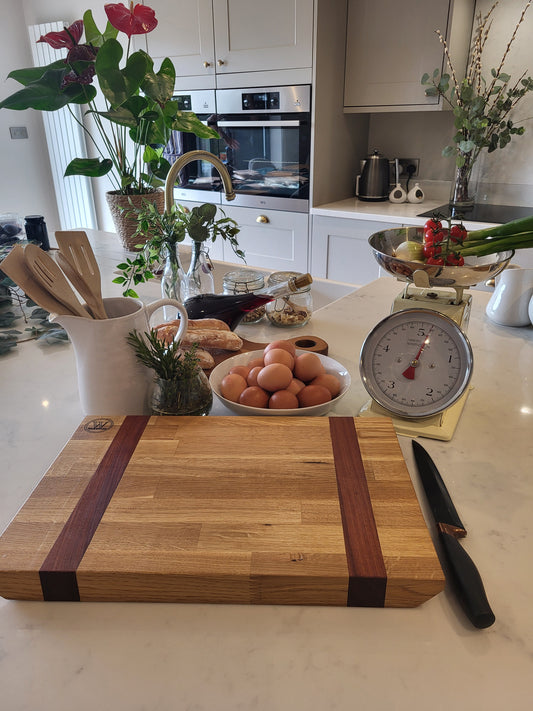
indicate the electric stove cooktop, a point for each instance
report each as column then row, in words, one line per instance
column 481, row 213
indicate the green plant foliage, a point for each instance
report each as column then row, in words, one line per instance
column 164, row 231
column 481, row 106
column 166, row 360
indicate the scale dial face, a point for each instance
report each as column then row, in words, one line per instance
column 416, row 363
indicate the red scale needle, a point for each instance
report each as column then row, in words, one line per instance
column 409, row 372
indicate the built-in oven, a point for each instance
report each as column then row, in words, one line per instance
column 265, row 143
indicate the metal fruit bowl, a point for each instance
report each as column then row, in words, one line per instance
column 474, row 270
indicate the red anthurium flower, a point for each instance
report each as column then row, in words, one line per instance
column 69, row 37
column 135, row 20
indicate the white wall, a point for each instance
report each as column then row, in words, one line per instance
column 25, row 185
column 507, row 175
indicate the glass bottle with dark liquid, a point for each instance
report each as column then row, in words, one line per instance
column 231, row 308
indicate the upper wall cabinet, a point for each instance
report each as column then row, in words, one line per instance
column 391, row 44
column 210, row 38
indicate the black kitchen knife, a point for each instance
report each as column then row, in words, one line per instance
column 465, row 575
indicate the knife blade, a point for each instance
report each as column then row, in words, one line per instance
column 463, row 572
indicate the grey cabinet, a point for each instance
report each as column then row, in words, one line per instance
column 270, row 239
column 340, row 249
column 208, row 39
column 391, row 44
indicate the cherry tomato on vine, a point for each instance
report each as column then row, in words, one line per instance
column 458, row 233
column 432, row 236
column 431, row 250
column 435, row 260
column 432, row 224
column 455, row 260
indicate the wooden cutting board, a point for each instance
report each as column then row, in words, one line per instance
column 274, row 510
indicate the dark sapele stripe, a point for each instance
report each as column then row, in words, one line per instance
column 58, row 571
column 366, row 567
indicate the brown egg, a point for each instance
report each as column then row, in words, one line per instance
column 254, row 396
column 286, row 345
column 256, row 362
column 307, row 366
column 283, row 400
column 295, row 386
column 232, row 386
column 313, row 395
column 252, row 375
column 279, row 355
column 329, row 381
column 240, row 370
column 275, row 376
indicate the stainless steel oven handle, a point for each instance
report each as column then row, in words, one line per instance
column 258, row 124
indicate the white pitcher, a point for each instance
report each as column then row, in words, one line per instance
column 508, row 305
column 111, row 379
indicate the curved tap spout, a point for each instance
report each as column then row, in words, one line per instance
column 189, row 157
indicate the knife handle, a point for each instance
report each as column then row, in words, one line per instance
column 468, row 583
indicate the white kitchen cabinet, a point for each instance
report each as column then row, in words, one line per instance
column 340, row 249
column 210, row 38
column 391, row 44
column 270, row 239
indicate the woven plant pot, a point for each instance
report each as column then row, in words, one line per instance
column 126, row 226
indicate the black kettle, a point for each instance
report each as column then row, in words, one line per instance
column 374, row 181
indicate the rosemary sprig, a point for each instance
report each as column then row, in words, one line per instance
column 166, row 360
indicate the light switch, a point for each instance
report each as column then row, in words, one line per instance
column 18, row 131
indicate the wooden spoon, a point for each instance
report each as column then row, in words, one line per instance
column 75, row 248
column 48, row 274
column 16, row 268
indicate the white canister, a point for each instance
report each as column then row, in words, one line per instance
column 509, row 304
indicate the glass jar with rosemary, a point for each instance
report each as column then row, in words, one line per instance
column 180, row 386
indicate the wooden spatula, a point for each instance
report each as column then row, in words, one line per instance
column 75, row 248
column 49, row 275
column 16, row 268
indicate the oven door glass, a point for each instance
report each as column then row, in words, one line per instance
column 266, row 155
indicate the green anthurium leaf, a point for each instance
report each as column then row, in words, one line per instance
column 46, row 94
column 160, row 86
column 189, row 121
column 119, row 85
column 92, row 33
column 152, row 154
column 31, row 74
column 122, row 116
column 91, row 167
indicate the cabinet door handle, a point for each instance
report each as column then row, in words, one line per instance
column 263, row 219
column 207, row 64
column 220, row 62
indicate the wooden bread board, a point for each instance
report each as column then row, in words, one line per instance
column 277, row 510
column 314, row 344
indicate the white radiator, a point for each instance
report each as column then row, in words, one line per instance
column 66, row 141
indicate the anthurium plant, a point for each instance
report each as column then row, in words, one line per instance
column 129, row 101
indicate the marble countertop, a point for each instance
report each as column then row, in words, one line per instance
column 157, row 657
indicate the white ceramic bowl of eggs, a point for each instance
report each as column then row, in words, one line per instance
column 280, row 381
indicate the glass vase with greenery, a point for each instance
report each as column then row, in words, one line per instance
column 180, row 386
column 481, row 105
column 163, row 233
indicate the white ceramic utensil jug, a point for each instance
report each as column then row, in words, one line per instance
column 508, row 305
column 111, row 379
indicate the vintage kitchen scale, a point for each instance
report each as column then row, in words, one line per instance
column 416, row 363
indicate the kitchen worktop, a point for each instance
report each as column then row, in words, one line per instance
column 161, row 657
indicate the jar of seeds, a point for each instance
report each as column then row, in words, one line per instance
column 291, row 310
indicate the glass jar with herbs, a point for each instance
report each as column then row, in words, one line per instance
column 293, row 309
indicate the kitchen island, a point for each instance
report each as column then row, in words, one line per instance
column 131, row 656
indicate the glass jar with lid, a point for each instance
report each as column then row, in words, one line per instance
column 242, row 281
column 291, row 310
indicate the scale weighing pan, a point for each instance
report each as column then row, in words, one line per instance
column 474, row 270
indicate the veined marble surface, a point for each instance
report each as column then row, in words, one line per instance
column 164, row 657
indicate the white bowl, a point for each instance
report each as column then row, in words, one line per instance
column 331, row 366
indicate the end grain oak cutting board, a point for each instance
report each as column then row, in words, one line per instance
column 274, row 510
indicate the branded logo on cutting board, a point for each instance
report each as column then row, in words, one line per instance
column 99, row 424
